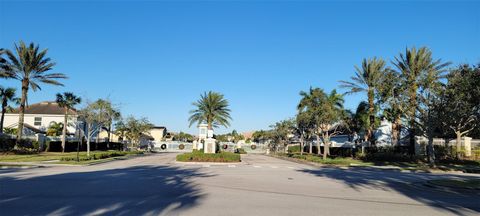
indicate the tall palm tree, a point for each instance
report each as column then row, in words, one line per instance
column 212, row 109
column 5, row 71
column 7, row 95
column 67, row 100
column 367, row 79
column 31, row 67
column 414, row 66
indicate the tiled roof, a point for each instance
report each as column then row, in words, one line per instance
column 47, row 107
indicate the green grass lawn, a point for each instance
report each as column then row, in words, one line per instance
column 458, row 183
column 196, row 156
column 65, row 158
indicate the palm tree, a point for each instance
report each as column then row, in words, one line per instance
column 67, row 100
column 6, row 95
column 212, row 109
column 367, row 79
column 5, row 71
column 413, row 66
column 55, row 129
column 31, row 67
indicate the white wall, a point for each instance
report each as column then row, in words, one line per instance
column 12, row 119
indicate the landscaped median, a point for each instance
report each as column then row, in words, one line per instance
column 198, row 156
column 65, row 158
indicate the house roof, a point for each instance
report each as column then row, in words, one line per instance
column 46, row 107
column 30, row 127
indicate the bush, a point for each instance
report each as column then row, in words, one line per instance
column 318, row 159
column 99, row 155
column 56, row 146
column 240, row 151
column 6, row 143
column 197, row 156
column 294, row 149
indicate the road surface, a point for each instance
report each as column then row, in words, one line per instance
column 260, row 185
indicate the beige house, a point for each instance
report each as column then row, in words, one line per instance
column 39, row 116
column 156, row 134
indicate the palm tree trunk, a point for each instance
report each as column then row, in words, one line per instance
column 371, row 113
column 396, row 129
column 21, row 113
column 4, row 109
column 431, row 150
column 413, row 109
column 64, row 132
column 318, row 144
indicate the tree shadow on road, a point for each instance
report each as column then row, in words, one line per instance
column 152, row 190
column 407, row 183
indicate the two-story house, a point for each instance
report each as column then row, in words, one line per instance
column 40, row 116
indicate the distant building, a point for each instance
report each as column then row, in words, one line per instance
column 39, row 116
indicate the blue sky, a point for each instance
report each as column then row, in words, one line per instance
column 155, row 58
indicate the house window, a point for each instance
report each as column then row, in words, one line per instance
column 37, row 121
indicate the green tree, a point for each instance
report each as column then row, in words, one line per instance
column 460, row 105
column 361, row 119
column 31, row 67
column 367, row 79
column 55, row 129
column 260, row 136
column 280, row 133
column 212, row 109
column 67, row 101
column 393, row 100
column 304, row 128
column 311, row 103
column 414, row 65
column 7, row 95
column 136, row 128
column 112, row 114
column 94, row 118
column 327, row 111
column 184, row 137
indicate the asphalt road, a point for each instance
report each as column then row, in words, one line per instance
column 260, row 185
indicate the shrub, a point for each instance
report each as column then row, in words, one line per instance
column 197, row 156
column 294, row 149
column 99, row 155
column 240, row 151
column 6, row 143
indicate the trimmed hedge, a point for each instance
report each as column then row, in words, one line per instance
column 56, row 146
column 198, row 156
column 100, row 155
column 240, row 151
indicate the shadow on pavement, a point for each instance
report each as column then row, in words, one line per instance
column 131, row 191
column 407, row 183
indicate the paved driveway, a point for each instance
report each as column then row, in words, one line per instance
column 260, row 185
